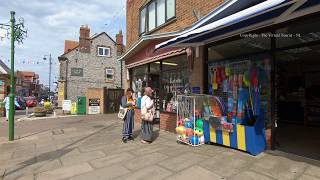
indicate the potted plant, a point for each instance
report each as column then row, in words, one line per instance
column 40, row 112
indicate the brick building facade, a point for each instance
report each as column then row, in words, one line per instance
column 90, row 64
column 169, row 71
column 187, row 13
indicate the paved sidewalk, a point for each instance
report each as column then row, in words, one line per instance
column 89, row 147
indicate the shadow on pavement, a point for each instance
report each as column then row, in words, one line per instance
column 54, row 154
column 293, row 157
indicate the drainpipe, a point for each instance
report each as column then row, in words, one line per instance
column 121, row 69
column 66, row 82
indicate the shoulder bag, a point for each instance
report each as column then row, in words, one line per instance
column 122, row 112
column 147, row 115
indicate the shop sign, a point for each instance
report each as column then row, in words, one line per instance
column 94, row 106
column 66, row 105
column 195, row 90
column 76, row 72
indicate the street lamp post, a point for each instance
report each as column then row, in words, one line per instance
column 50, row 64
column 17, row 33
column 11, row 95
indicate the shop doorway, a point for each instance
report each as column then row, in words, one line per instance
column 112, row 98
column 298, row 101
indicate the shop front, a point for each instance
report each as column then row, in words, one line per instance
column 168, row 73
column 263, row 67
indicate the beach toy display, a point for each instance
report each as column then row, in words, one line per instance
column 238, row 114
column 190, row 121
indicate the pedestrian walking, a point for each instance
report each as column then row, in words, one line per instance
column 127, row 101
column 147, row 125
column 6, row 101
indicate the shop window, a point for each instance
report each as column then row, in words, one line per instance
column 155, row 14
column 104, row 51
column 168, row 78
column 109, row 74
column 139, row 78
column 155, row 67
column 175, row 81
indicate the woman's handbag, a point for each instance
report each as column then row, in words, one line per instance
column 147, row 115
column 122, row 112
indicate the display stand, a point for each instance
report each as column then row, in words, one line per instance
column 200, row 120
column 189, row 120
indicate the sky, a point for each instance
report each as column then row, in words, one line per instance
column 50, row 22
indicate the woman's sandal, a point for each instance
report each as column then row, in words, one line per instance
column 145, row 142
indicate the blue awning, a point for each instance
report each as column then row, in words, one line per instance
column 261, row 15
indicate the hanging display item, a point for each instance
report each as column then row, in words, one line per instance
column 235, row 114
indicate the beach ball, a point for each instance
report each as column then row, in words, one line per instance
column 189, row 132
column 180, row 129
column 188, row 124
column 194, row 140
column 199, row 123
column 180, row 123
column 198, row 131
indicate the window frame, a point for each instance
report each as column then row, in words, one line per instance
column 106, row 74
column 157, row 26
column 145, row 17
column 104, row 48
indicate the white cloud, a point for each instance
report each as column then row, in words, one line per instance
column 50, row 22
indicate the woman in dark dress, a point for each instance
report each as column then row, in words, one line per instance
column 128, row 102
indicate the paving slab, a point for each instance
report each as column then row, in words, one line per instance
column 118, row 148
column 250, row 175
column 65, row 172
column 27, row 177
column 5, row 155
column 26, row 170
column 92, row 147
column 148, row 149
column 82, row 157
column 112, row 159
column 307, row 177
column 313, row 171
column 195, row 173
column 105, row 173
column 69, row 152
column 279, row 167
column 227, row 164
column 154, row 172
column 23, row 161
column 182, row 161
column 146, row 160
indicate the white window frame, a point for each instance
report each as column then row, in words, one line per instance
column 145, row 8
column 109, row 73
column 104, row 50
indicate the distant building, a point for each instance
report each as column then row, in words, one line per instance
column 27, row 83
column 4, row 80
column 89, row 63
